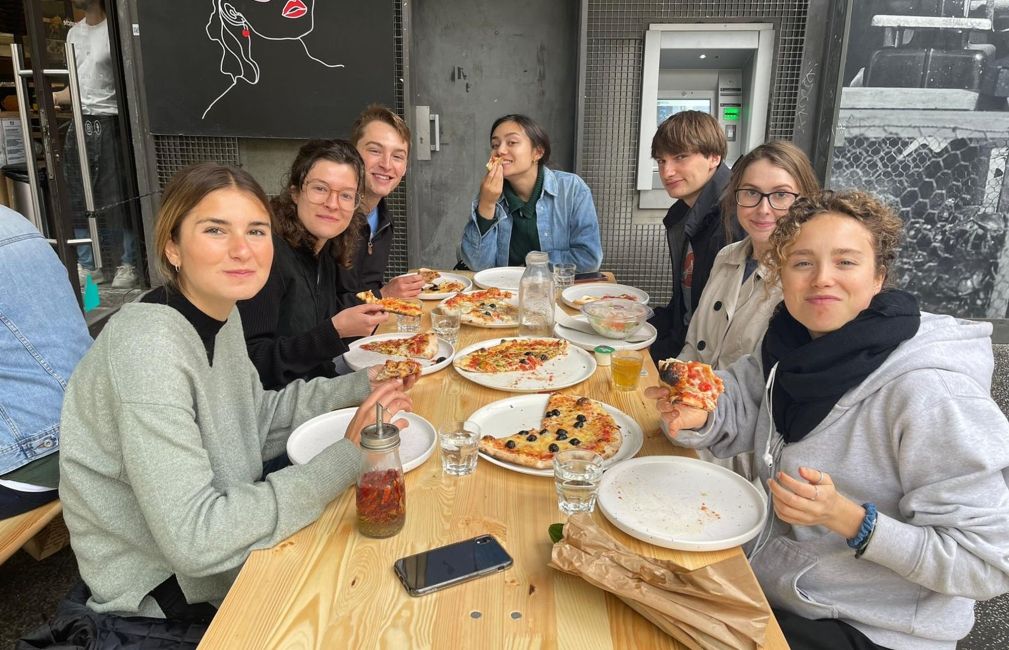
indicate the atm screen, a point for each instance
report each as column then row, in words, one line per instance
column 667, row 107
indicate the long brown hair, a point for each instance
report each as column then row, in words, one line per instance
column 285, row 209
column 781, row 154
column 187, row 188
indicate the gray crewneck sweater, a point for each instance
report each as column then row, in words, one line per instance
column 162, row 455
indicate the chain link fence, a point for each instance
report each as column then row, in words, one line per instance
column 948, row 183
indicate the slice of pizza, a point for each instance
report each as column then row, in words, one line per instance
column 691, row 383
column 428, row 275
column 570, row 422
column 391, row 305
column 398, row 370
column 423, row 345
column 495, row 158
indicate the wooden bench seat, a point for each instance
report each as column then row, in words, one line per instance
column 17, row 532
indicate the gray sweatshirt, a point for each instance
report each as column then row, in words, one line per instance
column 161, row 456
column 922, row 439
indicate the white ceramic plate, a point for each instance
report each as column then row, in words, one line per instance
column 359, row 359
column 439, row 295
column 572, row 293
column 509, row 416
column 568, row 369
column 590, row 341
column 514, row 300
column 416, row 442
column 502, row 277
column 681, row 503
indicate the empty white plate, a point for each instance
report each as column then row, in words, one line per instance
column 416, row 442
column 502, row 277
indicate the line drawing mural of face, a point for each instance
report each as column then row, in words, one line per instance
column 236, row 24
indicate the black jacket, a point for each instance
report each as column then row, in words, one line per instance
column 288, row 326
column 370, row 260
column 701, row 227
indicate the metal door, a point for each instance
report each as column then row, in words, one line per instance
column 80, row 169
column 470, row 62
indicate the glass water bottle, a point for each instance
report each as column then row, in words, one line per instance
column 381, row 489
column 536, row 297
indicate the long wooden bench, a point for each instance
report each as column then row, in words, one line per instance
column 40, row 531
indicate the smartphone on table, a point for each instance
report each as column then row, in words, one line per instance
column 592, row 276
column 427, row 572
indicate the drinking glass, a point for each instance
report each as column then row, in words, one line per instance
column 445, row 323
column 408, row 323
column 626, row 369
column 564, row 277
column 458, row 442
column 576, row 477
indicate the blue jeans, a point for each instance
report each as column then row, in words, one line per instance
column 42, row 337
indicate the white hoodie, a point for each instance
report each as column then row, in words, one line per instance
column 923, row 440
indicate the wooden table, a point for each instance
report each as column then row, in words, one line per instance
column 329, row 587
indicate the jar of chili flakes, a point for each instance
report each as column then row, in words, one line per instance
column 381, row 489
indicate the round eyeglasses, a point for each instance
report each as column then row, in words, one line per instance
column 318, row 193
column 777, row 200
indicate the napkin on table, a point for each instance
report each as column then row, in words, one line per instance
column 718, row 606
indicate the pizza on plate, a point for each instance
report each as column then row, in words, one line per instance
column 445, row 286
column 691, row 383
column 423, row 345
column 391, row 305
column 398, row 370
column 485, row 307
column 570, row 422
column 584, row 300
column 512, row 355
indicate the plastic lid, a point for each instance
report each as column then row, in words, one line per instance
column 604, row 349
column 382, row 439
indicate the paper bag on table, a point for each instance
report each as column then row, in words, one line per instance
column 717, row 606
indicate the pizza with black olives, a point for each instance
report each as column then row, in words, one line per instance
column 570, row 422
column 485, row 308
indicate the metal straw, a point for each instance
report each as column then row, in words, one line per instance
column 379, row 411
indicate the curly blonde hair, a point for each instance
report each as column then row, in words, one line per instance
column 883, row 224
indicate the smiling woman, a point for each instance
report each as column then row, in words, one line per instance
column 296, row 325
column 166, row 427
column 852, row 400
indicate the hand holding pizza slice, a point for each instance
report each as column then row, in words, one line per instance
column 691, row 383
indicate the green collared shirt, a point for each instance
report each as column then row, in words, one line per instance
column 525, row 236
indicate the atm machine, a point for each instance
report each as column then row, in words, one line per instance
column 721, row 69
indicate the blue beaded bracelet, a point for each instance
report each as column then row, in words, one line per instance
column 868, row 524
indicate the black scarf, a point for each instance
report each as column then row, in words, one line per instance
column 814, row 373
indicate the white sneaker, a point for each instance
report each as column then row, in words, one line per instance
column 82, row 276
column 126, row 277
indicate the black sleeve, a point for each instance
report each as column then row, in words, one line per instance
column 670, row 339
column 282, row 359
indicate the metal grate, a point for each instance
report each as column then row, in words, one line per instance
column 947, row 190
column 637, row 254
column 397, row 200
column 173, row 152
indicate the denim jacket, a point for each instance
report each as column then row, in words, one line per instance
column 565, row 218
column 42, row 337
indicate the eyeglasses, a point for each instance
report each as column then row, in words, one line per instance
column 318, row 193
column 777, row 200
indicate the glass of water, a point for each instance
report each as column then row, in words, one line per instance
column 564, row 277
column 576, row 476
column 408, row 323
column 445, row 322
column 458, row 442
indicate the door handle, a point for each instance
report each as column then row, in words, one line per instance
column 423, row 117
column 437, row 132
column 26, row 132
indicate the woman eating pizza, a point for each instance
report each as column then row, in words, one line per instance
column 524, row 206
column 295, row 326
column 874, row 430
column 166, row 426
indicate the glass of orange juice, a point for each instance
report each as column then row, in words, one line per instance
column 626, row 369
